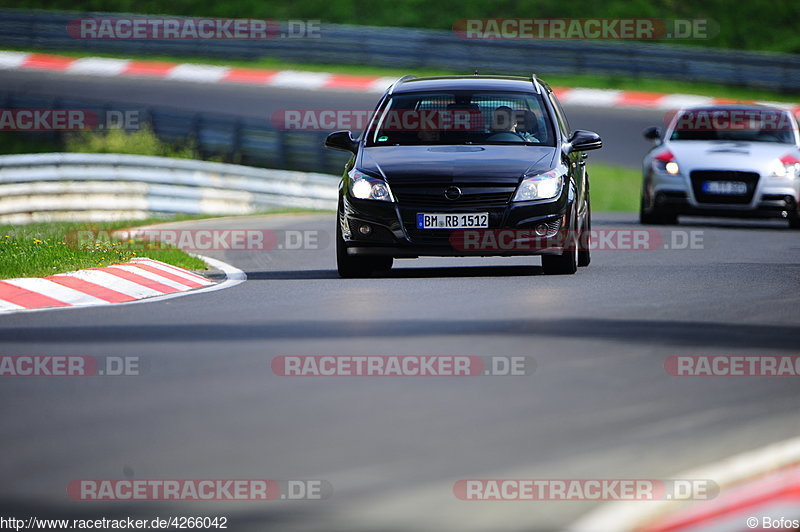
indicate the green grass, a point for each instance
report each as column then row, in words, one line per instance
column 577, row 80
column 614, row 188
column 140, row 142
column 40, row 249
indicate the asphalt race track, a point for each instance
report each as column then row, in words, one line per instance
column 598, row 405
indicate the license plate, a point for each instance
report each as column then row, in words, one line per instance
column 728, row 188
column 452, row 221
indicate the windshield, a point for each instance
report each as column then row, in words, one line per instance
column 743, row 125
column 461, row 117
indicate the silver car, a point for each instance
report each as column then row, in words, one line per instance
column 733, row 160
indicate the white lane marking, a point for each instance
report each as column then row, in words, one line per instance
column 676, row 101
column 7, row 306
column 381, row 84
column 299, row 79
column 173, row 270
column 56, row 291
column 13, row 59
column 592, row 97
column 152, row 276
column 98, row 66
column 780, row 105
column 201, row 73
column 113, row 282
column 629, row 515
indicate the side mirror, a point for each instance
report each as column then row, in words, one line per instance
column 582, row 140
column 652, row 133
column 342, row 140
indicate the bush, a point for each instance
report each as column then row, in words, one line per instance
column 140, row 142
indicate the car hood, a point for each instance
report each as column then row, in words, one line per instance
column 727, row 155
column 399, row 163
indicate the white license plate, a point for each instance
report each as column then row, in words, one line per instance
column 732, row 188
column 452, row 221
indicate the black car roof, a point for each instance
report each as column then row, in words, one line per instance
column 504, row 83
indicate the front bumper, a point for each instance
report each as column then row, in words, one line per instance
column 770, row 197
column 393, row 229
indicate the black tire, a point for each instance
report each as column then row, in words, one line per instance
column 382, row 264
column 351, row 266
column 794, row 223
column 585, row 241
column 564, row 264
column 656, row 217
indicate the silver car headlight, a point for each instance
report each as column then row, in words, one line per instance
column 363, row 186
column 542, row 186
column 665, row 162
column 786, row 166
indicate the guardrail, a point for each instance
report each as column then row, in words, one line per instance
column 414, row 48
column 231, row 139
column 77, row 186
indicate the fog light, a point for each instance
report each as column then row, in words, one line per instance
column 364, row 229
column 541, row 229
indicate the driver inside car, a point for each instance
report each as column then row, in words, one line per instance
column 505, row 124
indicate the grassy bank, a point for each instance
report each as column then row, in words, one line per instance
column 40, row 249
column 614, row 188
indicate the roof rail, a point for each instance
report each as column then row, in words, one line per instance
column 535, row 82
column 398, row 82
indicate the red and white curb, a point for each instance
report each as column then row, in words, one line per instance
column 130, row 282
column 295, row 79
column 758, row 484
column 775, row 496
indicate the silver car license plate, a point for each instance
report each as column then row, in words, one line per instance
column 725, row 188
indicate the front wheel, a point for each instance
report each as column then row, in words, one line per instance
column 564, row 264
column 656, row 217
column 585, row 239
column 354, row 267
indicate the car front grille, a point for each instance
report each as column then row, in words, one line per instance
column 472, row 194
column 698, row 177
column 426, row 194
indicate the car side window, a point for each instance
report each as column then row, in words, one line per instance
column 561, row 118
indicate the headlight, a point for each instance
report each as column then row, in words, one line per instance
column 543, row 186
column 666, row 162
column 363, row 186
column 786, row 166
